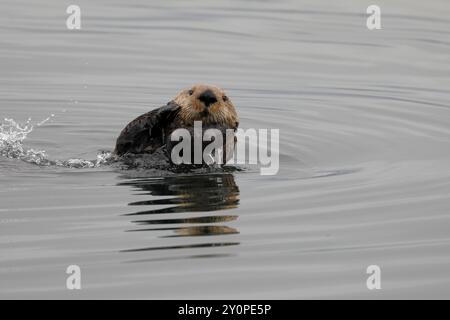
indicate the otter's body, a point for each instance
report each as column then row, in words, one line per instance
column 152, row 130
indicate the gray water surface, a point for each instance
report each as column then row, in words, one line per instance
column 364, row 119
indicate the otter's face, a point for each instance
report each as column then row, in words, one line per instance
column 208, row 104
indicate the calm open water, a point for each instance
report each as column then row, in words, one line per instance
column 364, row 119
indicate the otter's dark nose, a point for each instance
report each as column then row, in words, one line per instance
column 208, row 97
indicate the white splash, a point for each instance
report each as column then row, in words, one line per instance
column 45, row 120
column 13, row 134
column 103, row 158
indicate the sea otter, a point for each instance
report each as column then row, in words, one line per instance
column 152, row 130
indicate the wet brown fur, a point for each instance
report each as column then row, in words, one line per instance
column 149, row 131
column 222, row 112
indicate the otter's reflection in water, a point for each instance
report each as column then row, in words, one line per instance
column 189, row 197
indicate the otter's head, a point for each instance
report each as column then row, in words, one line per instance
column 208, row 104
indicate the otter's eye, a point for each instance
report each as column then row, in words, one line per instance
column 224, row 98
column 191, row 92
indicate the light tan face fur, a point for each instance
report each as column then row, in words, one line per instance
column 193, row 109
